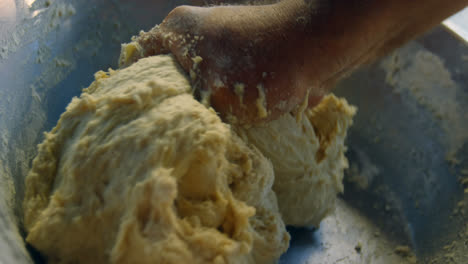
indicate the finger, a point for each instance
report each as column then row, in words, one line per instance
column 169, row 36
column 180, row 34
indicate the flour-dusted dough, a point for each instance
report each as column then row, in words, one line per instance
column 307, row 152
column 137, row 171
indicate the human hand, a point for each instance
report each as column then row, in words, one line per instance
column 237, row 58
column 255, row 63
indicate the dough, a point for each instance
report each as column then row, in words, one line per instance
column 307, row 152
column 306, row 148
column 137, row 171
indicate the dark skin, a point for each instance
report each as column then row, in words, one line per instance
column 291, row 50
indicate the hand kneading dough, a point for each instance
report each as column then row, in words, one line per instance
column 137, row 171
column 307, row 152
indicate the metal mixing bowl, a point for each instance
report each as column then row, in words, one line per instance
column 408, row 147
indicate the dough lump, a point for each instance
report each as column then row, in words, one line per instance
column 137, row 171
column 307, row 152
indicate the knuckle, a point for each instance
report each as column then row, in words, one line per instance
column 182, row 18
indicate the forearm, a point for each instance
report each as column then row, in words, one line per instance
column 314, row 43
column 358, row 31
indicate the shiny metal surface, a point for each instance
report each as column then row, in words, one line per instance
column 458, row 23
column 406, row 155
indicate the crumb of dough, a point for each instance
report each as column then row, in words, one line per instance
column 196, row 61
column 130, row 53
column 308, row 158
column 402, row 250
column 137, row 171
column 239, row 91
column 261, row 102
column 407, row 253
column 358, row 247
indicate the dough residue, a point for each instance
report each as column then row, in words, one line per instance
column 426, row 78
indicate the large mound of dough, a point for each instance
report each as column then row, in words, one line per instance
column 307, row 152
column 137, row 171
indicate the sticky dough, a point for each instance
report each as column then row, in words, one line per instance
column 137, row 171
column 307, row 151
